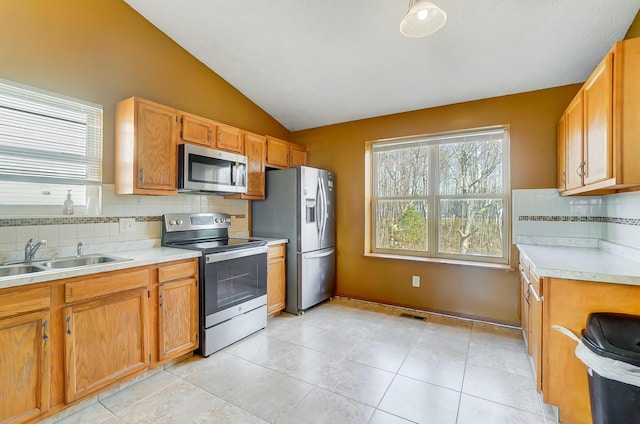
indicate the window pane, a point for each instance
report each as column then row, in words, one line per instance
column 471, row 227
column 471, row 168
column 401, row 224
column 401, row 172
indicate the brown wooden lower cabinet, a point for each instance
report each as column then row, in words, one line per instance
column 177, row 309
column 65, row 340
column 568, row 303
column 276, row 284
column 25, row 354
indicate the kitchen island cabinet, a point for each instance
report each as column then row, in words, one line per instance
column 25, row 372
column 105, row 330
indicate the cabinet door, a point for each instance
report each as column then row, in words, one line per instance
column 196, row 130
column 535, row 326
column 574, row 122
column 525, row 311
column 230, row 139
column 561, row 182
column 177, row 318
column 598, row 114
column 255, row 149
column 156, row 147
column 277, row 153
column 298, row 155
column 276, row 279
column 24, row 366
column 97, row 350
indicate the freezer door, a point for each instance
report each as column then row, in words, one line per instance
column 316, row 277
column 316, row 205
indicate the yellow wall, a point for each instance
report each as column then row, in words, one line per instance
column 103, row 51
column 460, row 289
column 634, row 29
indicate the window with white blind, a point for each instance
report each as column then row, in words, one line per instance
column 440, row 196
column 49, row 144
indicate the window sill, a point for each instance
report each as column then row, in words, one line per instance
column 503, row 267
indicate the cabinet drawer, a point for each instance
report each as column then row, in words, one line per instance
column 276, row 251
column 25, row 299
column 177, row 271
column 108, row 284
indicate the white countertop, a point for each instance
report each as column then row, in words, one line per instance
column 138, row 257
column 582, row 263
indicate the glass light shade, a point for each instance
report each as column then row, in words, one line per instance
column 415, row 24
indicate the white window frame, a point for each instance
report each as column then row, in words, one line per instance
column 49, row 144
column 433, row 198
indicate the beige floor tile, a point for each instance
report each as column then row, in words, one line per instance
column 293, row 332
column 174, row 403
column 497, row 336
column 332, row 343
column 442, row 346
column 381, row 417
column 323, row 407
column 95, row 413
column 139, row 391
column 434, row 367
column 358, row 382
column 479, row 411
column 386, row 356
column 420, row 402
column 502, row 387
column 220, row 411
column 269, row 394
column 447, row 327
column 500, row 359
column 219, row 374
column 261, row 350
column 305, row 364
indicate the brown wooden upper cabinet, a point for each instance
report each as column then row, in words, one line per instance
column 282, row 154
column 255, row 148
column 229, row 139
column 146, row 148
column 197, row 130
column 599, row 132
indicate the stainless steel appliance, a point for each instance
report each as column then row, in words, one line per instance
column 232, row 277
column 300, row 206
column 210, row 170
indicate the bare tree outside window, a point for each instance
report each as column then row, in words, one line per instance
column 452, row 186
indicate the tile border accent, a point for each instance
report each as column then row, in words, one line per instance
column 559, row 218
column 22, row 222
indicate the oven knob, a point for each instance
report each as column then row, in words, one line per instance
column 179, row 221
column 228, row 220
column 172, row 222
column 217, row 220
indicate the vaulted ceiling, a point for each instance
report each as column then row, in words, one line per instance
column 313, row 63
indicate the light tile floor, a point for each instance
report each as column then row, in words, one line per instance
column 342, row 362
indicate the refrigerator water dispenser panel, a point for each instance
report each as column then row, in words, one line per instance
column 310, row 208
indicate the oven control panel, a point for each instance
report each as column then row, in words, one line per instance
column 196, row 221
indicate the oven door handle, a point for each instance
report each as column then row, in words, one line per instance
column 239, row 253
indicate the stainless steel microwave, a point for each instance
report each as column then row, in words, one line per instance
column 209, row 170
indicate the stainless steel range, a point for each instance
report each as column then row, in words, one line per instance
column 233, row 277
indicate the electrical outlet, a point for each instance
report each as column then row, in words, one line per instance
column 127, row 225
column 415, row 281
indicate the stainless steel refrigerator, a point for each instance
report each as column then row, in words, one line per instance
column 299, row 206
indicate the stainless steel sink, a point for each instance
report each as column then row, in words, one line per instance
column 81, row 261
column 12, row 270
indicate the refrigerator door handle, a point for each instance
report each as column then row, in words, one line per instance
column 324, row 209
column 320, row 255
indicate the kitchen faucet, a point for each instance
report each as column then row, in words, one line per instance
column 30, row 249
column 80, row 248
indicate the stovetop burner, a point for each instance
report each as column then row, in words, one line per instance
column 202, row 231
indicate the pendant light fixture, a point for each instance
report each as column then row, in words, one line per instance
column 423, row 18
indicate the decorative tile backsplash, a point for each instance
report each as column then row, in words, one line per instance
column 64, row 232
column 613, row 218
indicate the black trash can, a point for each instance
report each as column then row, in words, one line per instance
column 615, row 336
